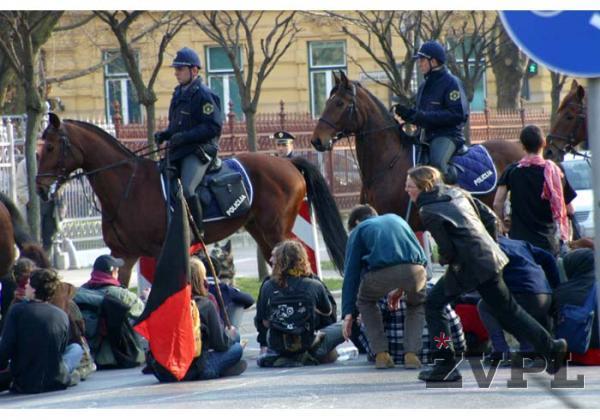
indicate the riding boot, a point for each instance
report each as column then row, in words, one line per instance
column 196, row 211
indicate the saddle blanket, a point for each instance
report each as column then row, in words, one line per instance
column 211, row 208
column 476, row 170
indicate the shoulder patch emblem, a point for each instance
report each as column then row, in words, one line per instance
column 208, row 109
column 454, row 95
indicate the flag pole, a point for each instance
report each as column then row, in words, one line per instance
column 210, row 264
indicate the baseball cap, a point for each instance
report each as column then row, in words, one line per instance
column 106, row 263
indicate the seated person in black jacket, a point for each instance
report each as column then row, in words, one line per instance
column 292, row 306
column 221, row 353
column 35, row 340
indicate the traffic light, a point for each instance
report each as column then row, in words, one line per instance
column 532, row 68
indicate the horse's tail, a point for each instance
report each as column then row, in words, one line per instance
column 328, row 215
column 22, row 233
column 27, row 245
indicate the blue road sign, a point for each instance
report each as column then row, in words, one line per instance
column 567, row 42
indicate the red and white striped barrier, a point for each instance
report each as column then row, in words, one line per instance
column 305, row 230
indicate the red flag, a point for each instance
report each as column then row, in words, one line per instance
column 167, row 320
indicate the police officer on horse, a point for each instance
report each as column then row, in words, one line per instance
column 195, row 124
column 441, row 111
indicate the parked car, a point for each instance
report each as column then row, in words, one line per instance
column 578, row 170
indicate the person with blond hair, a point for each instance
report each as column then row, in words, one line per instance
column 221, row 352
column 292, row 306
column 465, row 230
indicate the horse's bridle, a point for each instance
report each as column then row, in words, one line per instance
column 570, row 140
column 61, row 174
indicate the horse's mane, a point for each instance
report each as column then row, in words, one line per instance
column 382, row 108
column 103, row 134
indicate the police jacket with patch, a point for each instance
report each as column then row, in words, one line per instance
column 465, row 230
column 442, row 108
column 195, row 111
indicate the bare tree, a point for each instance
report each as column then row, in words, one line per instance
column 121, row 23
column 26, row 32
column 235, row 32
column 375, row 32
column 558, row 82
column 509, row 65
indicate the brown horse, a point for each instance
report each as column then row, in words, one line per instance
column 570, row 125
column 383, row 151
column 14, row 231
column 133, row 208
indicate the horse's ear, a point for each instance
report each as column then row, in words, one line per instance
column 336, row 79
column 580, row 93
column 54, row 120
column 574, row 85
column 344, row 78
column 227, row 246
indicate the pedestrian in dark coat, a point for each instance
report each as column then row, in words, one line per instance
column 464, row 230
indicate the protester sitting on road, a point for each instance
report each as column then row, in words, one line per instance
column 539, row 196
column 530, row 275
column 394, row 325
column 292, row 306
column 235, row 300
column 103, row 301
column 383, row 255
column 35, row 340
column 465, row 230
column 220, row 349
column 12, row 287
column 579, row 284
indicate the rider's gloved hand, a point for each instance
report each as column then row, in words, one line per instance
column 404, row 112
column 161, row 136
column 176, row 139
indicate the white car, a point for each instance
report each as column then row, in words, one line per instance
column 578, row 170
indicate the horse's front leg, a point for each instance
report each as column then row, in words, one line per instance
column 125, row 271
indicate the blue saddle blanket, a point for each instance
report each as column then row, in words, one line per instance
column 476, row 171
column 225, row 179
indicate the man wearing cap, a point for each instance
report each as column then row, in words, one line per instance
column 285, row 144
column 441, row 111
column 195, row 123
column 104, row 281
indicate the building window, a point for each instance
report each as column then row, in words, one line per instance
column 325, row 57
column 221, row 79
column 479, row 95
column 118, row 87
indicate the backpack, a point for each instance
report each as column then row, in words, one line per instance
column 575, row 323
column 292, row 322
column 124, row 342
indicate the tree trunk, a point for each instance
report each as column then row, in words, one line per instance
column 251, row 130
column 151, row 126
column 34, row 117
column 263, row 268
column 509, row 69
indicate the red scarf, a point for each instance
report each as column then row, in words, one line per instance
column 552, row 191
column 101, row 279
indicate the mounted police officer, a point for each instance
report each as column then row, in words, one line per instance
column 195, row 123
column 441, row 111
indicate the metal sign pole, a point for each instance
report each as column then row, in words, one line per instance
column 593, row 120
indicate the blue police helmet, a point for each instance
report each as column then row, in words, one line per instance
column 432, row 49
column 186, row 57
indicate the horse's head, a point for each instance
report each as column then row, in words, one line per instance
column 569, row 128
column 57, row 160
column 340, row 117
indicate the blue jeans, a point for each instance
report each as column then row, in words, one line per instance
column 72, row 356
column 217, row 362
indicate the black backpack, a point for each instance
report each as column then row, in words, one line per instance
column 124, row 341
column 292, row 322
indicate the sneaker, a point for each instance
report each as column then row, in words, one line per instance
column 439, row 374
column 383, row 360
column 236, row 369
column 75, row 378
column 411, row 361
column 558, row 356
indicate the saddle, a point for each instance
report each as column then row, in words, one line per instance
column 225, row 191
column 474, row 166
